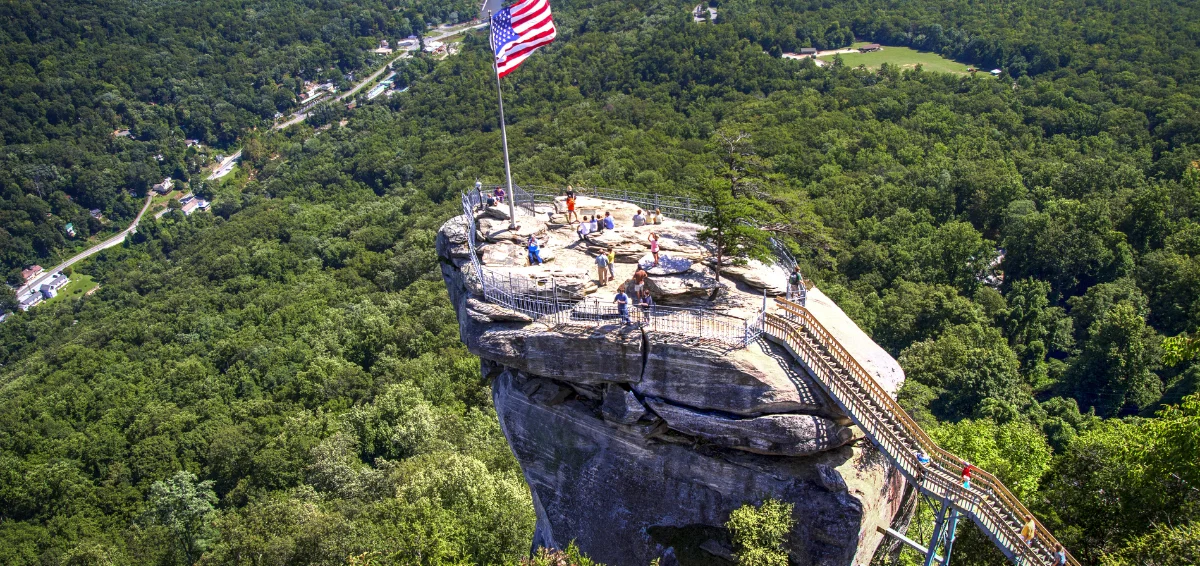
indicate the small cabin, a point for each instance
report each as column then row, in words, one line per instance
column 870, row 47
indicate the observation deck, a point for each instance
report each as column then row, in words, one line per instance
column 564, row 295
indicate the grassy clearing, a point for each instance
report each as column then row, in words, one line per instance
column 80, row 284
column 905, row 57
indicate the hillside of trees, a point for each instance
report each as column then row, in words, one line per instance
column 282, row 382
column 209, row 70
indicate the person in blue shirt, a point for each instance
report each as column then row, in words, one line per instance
column 622, row 301
column 608, row 221
column 1060, row 555
column 534, row 251
column 646, row 303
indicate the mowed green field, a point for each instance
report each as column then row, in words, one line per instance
column 80, row 283
column 905, row 57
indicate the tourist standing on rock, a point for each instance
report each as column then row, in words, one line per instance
column 608, row 221
column 622, row 301
column 602, row 267
column 639, row 282
column 571, row 207
column 794, row 284
column 534, row 251
column 654, row 247
column 638, row 219
column 584, row 229
column 612, row 259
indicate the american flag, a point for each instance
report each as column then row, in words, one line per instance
column 518, row 30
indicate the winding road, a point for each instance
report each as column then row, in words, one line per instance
column 110, row 242
column 439, row 36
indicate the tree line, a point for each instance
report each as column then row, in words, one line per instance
column 1021, row 248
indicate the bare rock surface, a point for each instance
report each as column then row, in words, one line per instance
column 624, row 428
column 607, row 488
column 771, row 278
column 871, row 356
column 621, row 405
column 697, row 282
column 780, row 435
column 667, row 265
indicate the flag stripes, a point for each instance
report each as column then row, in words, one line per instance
column 517, row 31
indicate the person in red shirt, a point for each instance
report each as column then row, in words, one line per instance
column 571, row 209
column 967, row 470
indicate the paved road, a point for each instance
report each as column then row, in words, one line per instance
column 113, row 241
column 437, row 36
column 226, row 166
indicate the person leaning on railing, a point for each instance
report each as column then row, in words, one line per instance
column 622, row 301
column 646, row 302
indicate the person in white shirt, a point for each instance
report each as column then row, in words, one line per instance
column 585, row 228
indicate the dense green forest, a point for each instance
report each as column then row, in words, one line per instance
column 282, row 382
column 75, row 72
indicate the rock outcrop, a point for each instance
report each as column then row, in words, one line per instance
column 634, row 442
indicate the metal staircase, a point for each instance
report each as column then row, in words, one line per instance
column 993, row 508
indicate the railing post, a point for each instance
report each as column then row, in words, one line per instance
column 554, row 289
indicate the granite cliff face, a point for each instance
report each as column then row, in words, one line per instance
column 633, row 442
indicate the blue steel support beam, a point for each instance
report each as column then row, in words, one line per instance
column 951, row 533
column 938, row 524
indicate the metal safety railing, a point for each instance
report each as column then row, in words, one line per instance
column 997, row 512
column 675, row 206
column 543, row 300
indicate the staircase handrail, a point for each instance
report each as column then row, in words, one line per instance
column 889, row 441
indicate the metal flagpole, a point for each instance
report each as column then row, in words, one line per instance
column 512, row 209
